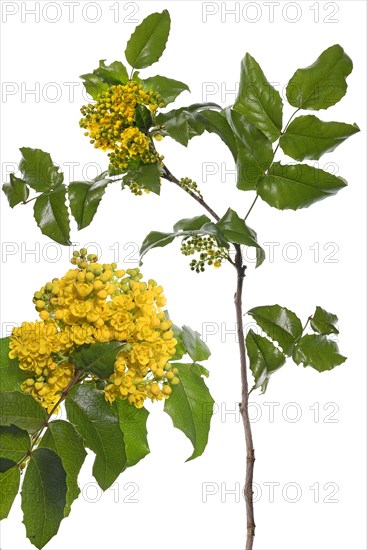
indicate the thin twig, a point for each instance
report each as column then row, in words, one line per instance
column 29, row 200
column 198, row 198
column 250, row 452
column 170, row 177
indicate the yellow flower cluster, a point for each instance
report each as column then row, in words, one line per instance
column 110, row 123
column 98, row 303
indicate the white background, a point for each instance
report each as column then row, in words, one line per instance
column 326, row 445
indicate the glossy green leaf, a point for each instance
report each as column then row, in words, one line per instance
column 180, row 346
column 6, row 464
column 14, row 443
column 191, row 407
column 39, row 172
column 133, row 424
column 213, row 229
column 148, row 41
column 62, row 438
column 22, row 411
column 113, row 74
column 235, row 230
column 295, row 186
column 156, row 239
column 9, row 487
column 188, row 224
column 94, row 85
column 324, row 322
column 308, row 137
column 255, row 152
column 143, row 118
column 43, row 496
column 216, row 123
column 258, row 100
column 16, row 191
column 264, row 357
column 195, row 347
column 97, row 423
column 52, row 216
column 281, row 324
column 84, row 197
column 316, row 351
column 323, row 83
column 147, row 175
column 98, row 359
column 168, row 88
column 184, row 123
column 200, row 370
column 175, row 125
column 11, row 376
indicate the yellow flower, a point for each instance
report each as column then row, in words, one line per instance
column 110, row 124
column 77, row 310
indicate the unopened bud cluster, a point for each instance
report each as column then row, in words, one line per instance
column 190, row 186
column 209, row 252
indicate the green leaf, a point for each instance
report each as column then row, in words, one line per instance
column 264, row 357
column 200, row 370
column 52, row 216
column 294, row 186
column 235, row 230
column 255, row 153
column 62, row 438
column 175, row 125
column 281, row 324
column 324, row 322
column 258, row 100
column 22, row 411
column 39, row 172
column 308, row 137
column 216, row 123
column 323, row 83
column 195, row 347
column 84, row 199
column 16, row 191
column 103, row 77
column 11, row 376
column 191, row 407
column 147, row 175
column 94, row 85
column 113, row 74
column 188, row 224
column 14, row 443
column 9, row 486
column 6, row 464
column 184, row 123
column 180, row 347
column 133, row 424
column 43, row 496
column 148, row 41
column 143, row 118
column 168, row 88
column 98, row 425
column 316, row 351
column 98, row 359
column 156, row 239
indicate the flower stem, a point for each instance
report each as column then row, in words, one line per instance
column 250, row 453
